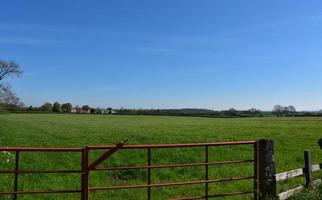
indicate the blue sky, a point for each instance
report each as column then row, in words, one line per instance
column 166, row 53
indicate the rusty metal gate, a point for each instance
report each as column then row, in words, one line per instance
column 88, row 167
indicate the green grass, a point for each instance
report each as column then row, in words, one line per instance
column 313, row 194
column 291, row 136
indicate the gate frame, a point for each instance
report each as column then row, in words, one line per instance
column 87, row 167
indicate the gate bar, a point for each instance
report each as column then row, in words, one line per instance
column 138, row 146
column 170, row 184
column 173, row 165
column 39, row 192
column 106, row 155
column 216, row 195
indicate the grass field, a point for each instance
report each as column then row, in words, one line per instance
column 291, row 136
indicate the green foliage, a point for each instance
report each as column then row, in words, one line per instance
column 47, row 107
column 86, row 108
column 56, row 107
column 66, row 107
column 93, row 110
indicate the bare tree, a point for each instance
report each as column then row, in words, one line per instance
column 8, row 69
column 278, row 110
column 291, row 110
column 254, row 111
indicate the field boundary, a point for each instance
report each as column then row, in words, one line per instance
column 264, row 175
column 307, row 171
column 90, row 167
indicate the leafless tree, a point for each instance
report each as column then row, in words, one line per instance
column 291, row 110
column 278, row 110
column 8, row 69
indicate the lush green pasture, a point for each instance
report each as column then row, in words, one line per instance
column 291, row 135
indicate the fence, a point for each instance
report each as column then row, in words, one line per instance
column 307, row 171
column 264, row 176
column 268, row 178
column 88, row 167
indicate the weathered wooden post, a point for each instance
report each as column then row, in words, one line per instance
column 267, row 181
column 308, row 169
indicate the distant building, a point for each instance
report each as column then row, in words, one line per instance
column 107, row 111
column 79, row 110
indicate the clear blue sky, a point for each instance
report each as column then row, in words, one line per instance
column 166, row 53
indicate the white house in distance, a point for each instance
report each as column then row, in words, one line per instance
column 107, row 111
column 79, row 110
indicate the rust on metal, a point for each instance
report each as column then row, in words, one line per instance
column 256, row 172
column 15, row 187
column 86, row 168
column 206, row 171
column 38, row 149
column 159, row 146
column 85, row 174
column 216, row 195
column 39, row 171
column 174, row 165
column 170, row 184
column 39, row 192
column 149, row 173
column 106, row 155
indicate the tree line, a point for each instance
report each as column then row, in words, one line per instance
column 67, row 108
column 9, row 101
column 55, row 107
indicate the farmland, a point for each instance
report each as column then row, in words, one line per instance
column 292, row 135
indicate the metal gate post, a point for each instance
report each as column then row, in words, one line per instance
column 16, row 174
column 85, row 173
column 149, row 173
column 206, row 171
column 256, row 171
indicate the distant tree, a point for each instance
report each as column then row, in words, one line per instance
column 254, row 111
column 56, row 107
column 66, row 107
column 278, row 110
column 47, row 107
column 98, row 110
column 109, row 109
column 92, row 110
column 78, row 109
column 86, row 108
column 320, row 112
column 291, row 110
column 7, row 95
column 232, row 112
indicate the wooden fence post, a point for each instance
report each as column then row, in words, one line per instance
column 308, row 169
column 267, row 181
